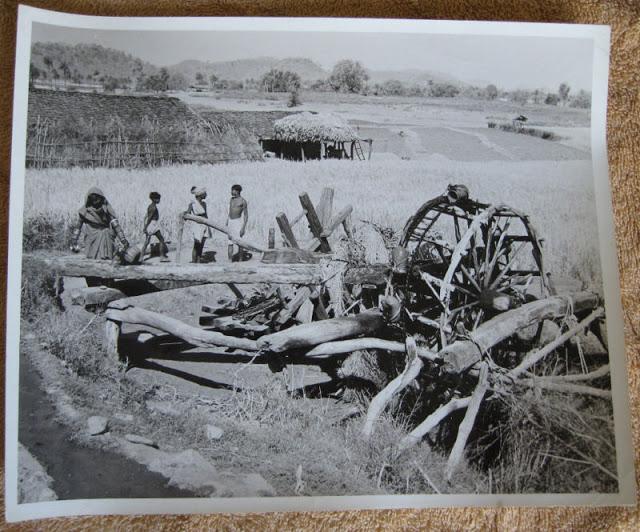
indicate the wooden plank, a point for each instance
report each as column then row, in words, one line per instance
column 223, row 229
column 325, row 206
column 237, row 272
column 314, row 221
column 339, row 219
column 285, row 229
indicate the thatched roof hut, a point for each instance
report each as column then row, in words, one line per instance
column 309, row 127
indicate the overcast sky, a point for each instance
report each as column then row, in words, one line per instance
column 509, row 62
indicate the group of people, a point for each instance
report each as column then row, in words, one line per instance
column 104, row 237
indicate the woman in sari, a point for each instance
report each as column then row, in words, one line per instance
column 101, row 227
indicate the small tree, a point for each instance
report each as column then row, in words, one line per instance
column 581, row 100
column 294, row 99
column 280, row 81
column 213, row 80
column 563, row 92
column 551, row 99
column 491, row 92
column 200, row 79
column 443, row 90
column 348, row 76
column 177, row 82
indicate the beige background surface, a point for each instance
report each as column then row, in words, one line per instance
column 624, row 159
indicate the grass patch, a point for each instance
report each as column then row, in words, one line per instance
column 532, row 131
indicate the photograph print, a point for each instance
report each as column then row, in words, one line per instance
column 286, row 260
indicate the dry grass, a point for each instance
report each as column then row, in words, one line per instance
column 554, row 194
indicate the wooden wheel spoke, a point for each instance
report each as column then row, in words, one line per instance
column 470, row 278
column 508, row 266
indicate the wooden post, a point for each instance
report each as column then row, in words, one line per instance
column 314, row 222
column 236, row 291
column 179, row 238
column 339, row 219
column 287, row 232
column 370, row 141
column 112, row 333
column 271, row 242
column 325, row 206
column 352, row 150
column 304, row 159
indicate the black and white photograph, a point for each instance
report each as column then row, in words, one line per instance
column 292, row 264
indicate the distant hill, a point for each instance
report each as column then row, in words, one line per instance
column 87, row 62
column 413, row 76
column 93, row 63
column 242, row 69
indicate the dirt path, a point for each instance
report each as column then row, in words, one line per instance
column 486, row 142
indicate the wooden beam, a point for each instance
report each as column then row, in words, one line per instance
column 301, row 296
column 314, row 221
column 285, row 229
column 237, row 272
column 223, row 229
column 124, row 313
column 463, row 354
column 318, row 332
column 298, row 218
column 339, row 218
column 325, row 206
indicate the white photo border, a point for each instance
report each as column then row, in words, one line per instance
column 600, row 35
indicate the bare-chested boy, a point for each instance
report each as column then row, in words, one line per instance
column 237, row 219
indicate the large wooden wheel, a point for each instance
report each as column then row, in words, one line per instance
column 467, row 262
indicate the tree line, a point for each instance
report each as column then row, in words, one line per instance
column 347, row 76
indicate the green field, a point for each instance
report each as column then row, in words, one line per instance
column 558, row 196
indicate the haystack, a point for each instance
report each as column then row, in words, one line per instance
column 308, row 127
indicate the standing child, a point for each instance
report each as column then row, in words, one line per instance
column 152, row 227
column 200, row 232
column 237, row 219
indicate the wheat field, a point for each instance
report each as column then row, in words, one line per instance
column 558, row 196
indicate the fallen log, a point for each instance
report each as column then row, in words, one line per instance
column 381, row 400
column 463, row 354
column 311, row 334
column 223, row 229
column 125, row 313
column 237, row 272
